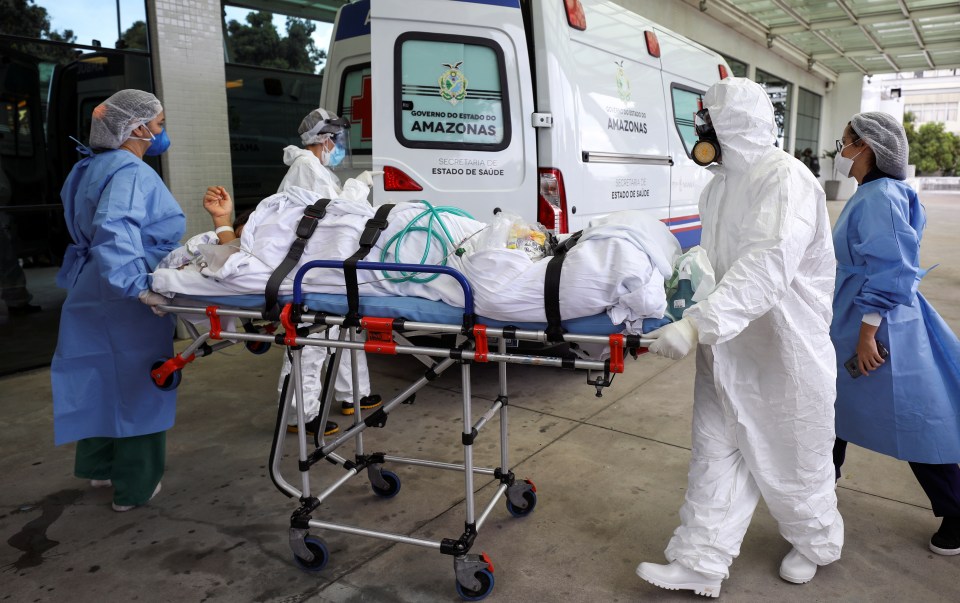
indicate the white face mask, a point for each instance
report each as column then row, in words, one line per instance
column 845, row 164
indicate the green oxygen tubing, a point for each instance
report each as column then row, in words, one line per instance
column 442, row 236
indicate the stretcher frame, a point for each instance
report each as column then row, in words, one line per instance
column 385, row 335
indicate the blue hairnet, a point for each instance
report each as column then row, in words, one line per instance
column 885, row 136
column 115, row 118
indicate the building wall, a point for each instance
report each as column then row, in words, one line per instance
column 187, row 42
column 701, row 27
column 847, row 96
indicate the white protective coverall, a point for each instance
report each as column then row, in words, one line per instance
column 763, row 421
column 307, row 172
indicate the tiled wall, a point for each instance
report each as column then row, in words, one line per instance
column 188, row 59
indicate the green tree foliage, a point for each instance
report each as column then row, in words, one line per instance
column 932, row 149
column 135, row 36
column 257, row 42
column 24, row 18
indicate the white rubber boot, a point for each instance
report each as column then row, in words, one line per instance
column 796, row 568
column 674, row 576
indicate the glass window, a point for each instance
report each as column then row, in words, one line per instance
column 264, row 110
column 780, row 95
column 737, row 67
column 93, row 23
column 47, row 93
column 808, row 122
column 451, row 92
column 274, row 41
column 935, row 112
column 355, row 104
column 273, row 66
column 686, row 102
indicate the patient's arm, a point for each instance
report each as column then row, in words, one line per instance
column 218, row 203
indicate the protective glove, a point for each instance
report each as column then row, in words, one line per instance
column 366, row 177
column 675, row 340
column 153, row 300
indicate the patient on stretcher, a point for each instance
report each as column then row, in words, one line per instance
column 618, row 266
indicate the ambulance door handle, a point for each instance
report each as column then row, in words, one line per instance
column 542, row 120
column 598, row 157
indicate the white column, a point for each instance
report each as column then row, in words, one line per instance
column 187, row 49
column 840, row 104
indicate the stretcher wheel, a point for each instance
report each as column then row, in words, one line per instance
column 258, row 347
column 531, row 498
column 320, row 555
column 393, row 485
column 486, row 587
column 172, row 381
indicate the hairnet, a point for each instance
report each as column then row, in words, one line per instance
column 318, row 126
column 884, row 134
column 115, row 118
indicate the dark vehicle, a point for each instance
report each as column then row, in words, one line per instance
column 265, row 107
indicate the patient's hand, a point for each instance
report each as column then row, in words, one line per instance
column 218, row 203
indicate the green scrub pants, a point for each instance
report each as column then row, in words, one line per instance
column 134, row 465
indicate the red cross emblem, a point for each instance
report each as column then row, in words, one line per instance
column 361, row 108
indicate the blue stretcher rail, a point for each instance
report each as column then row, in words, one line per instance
column 422, row 268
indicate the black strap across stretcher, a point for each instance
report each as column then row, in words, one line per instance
column 368, row 238
column 551, row 288
column 305, row 229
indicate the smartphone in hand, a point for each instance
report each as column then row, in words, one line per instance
column 853, row 365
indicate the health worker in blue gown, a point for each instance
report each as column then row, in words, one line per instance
column 123, row 221
column 906, row 405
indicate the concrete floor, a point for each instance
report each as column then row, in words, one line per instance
column 610, row 475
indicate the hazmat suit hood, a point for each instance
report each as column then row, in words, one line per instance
column 742, row 116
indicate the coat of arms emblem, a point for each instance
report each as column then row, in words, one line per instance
column 623, row 84
column 453, row 84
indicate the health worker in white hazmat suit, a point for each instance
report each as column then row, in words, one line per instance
column 766, row 372
column 325, row 140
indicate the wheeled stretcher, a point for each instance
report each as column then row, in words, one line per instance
column 387, row 323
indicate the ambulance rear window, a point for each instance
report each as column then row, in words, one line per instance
column 451, row 93
column 355, row 105
column 684, row 106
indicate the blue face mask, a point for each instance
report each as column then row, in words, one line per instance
column 158, row 143
column 335, row 157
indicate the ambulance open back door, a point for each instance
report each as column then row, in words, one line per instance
column 451, row 114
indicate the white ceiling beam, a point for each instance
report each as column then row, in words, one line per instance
column 803, row 22
column 748, row 25
column 892, row 50
column 950, row 10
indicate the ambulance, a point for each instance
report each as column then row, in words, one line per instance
column 556, row 110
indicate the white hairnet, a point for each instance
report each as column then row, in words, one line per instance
column 316, row 127
column 115, row 118
column 885, row 136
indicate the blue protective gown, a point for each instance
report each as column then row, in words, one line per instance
column 123, row 221
column 909, row 408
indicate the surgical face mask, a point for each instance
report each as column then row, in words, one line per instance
column 333, row 157
column 845, row 164
column 707, row 148
column 159, row 143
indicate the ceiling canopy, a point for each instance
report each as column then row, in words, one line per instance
column 843, row 36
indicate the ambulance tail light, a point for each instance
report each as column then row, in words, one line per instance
column 552, row 201
column 575, row 17
column 398, row 180
column 723, row 71
column 653, row 44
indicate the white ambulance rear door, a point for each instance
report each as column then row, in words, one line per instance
column 346, row 81
column 609, row 138
column 688, row 70
column 452, row 105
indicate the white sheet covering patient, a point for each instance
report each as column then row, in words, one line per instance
column 618, row 266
